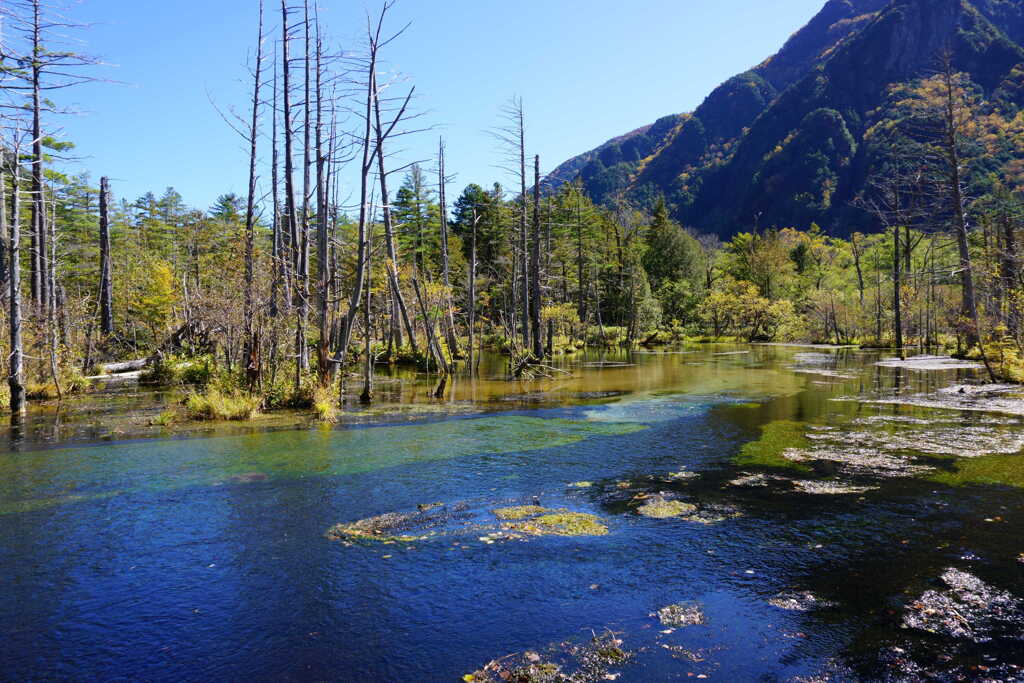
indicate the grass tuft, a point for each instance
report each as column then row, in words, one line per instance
column 217, row 405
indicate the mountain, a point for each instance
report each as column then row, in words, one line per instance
column 786, row 143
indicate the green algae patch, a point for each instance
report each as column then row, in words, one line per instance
column 665, row 509
column 559, row 523
column 769, row 451
column 998, row 470
column 519, row 512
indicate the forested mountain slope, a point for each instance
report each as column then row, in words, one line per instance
column 795, row 140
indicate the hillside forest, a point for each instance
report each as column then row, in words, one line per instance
column 343, row 258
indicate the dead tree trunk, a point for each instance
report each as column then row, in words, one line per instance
column 897, row 296
column 449, row 319
column 535, row 295
column 39, row 249
column 524, row 269
column 389, row 230
column 106, row 282
column 366, row 167
column 16, row 366
column 367, row 395
column 472, row 293
column 302, row 265
column 1010, row 277
column 324, row 364
column 289, row 160
column 252, row 360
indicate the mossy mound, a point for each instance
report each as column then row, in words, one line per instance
column 659, row 508
column 373, row 529
column 394, row 527
column 519, row 512
column 537, row 521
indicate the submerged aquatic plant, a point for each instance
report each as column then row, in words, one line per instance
column 776, row 439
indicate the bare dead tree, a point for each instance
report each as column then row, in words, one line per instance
column 367, row 396
column 289, row 150
column 512, row 136
column 449, row 319
column 251, row 347
column 16, row 361
column 106, row 281
column 382, row 134
column 535, row 294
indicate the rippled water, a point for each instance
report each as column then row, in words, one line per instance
column 207, row 558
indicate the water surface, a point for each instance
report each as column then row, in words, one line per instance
column 204, row 558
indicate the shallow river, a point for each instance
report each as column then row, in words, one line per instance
column 832, row 532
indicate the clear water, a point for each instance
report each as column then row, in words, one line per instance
column 206, row 558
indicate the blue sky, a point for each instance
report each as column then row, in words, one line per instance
column 587, row 70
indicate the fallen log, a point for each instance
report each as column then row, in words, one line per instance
column 127, row 366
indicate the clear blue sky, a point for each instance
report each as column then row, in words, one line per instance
column 588, row 70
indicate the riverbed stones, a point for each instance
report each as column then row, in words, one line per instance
column 830, row 488
column 968, row 608
column 799, row 601
column 756, row 480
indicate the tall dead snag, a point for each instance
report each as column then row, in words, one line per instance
column 955, row 118
column 472, row 291
column 535, row 295
column 382, row 134
column 512, row 137
column 367, row 395
column 449, row 319
column 277, row 243
column 289, row 150
column 251, row 348
column 325, row 366
column 897, row 295
column 16, row 365
column 40, row 272
column 106, row 282
column 1010, row 279
column 302, row 262
column 520, row 131
column 369, row 152
column 44, row 68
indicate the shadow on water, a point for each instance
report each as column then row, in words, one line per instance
column 813, row 534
